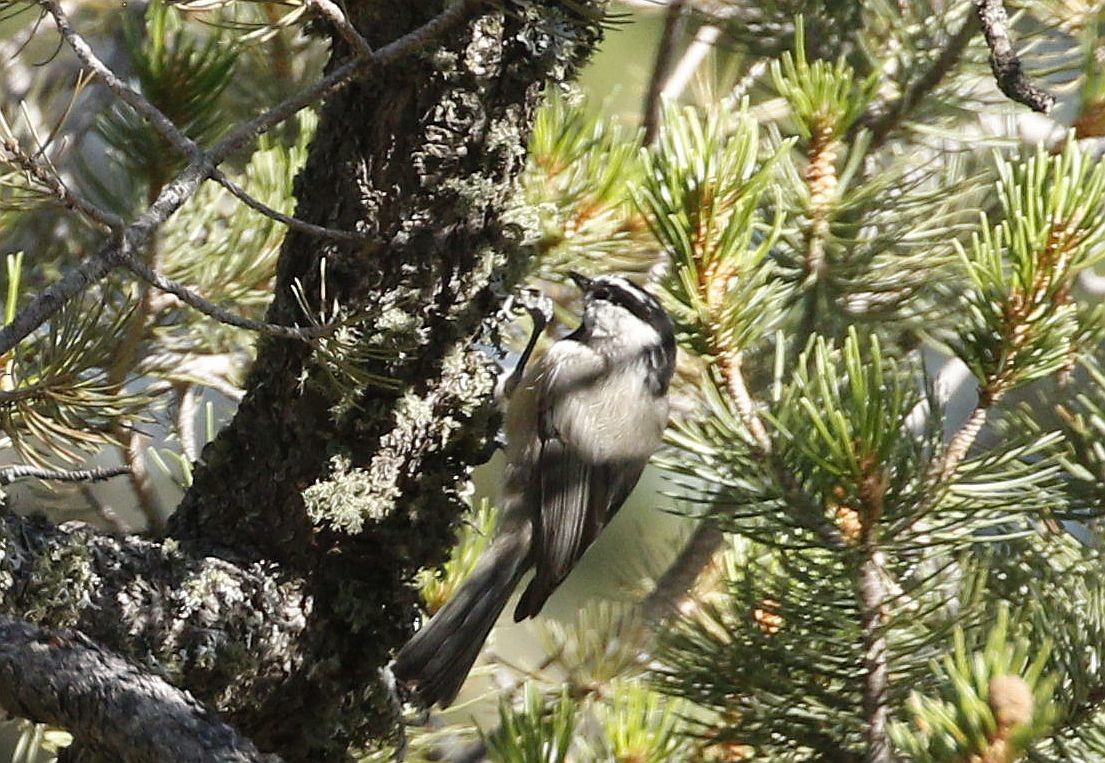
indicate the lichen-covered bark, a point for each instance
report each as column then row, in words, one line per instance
column 199, row 621
column 423, row 156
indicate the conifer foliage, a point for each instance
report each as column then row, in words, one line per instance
column 897, row 581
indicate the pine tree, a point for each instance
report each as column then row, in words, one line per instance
column 840, row 224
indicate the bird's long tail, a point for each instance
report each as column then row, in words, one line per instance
column 437, row 659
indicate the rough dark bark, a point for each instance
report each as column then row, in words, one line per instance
column 118, row 710
column 279, row 611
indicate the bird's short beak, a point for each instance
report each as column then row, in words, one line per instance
column 582, row 281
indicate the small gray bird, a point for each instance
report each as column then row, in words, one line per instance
column 580, row 427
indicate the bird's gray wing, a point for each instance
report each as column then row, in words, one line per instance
column 576, row 496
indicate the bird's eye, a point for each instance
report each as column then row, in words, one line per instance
column 601, row 293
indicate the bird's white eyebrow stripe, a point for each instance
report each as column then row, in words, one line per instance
column 627, row 285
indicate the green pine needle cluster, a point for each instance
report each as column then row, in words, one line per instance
column 992, row 703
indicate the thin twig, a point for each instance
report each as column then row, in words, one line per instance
column 177, row 192
column 1004, row 62
column 674, row 22
column 210, row 309
column 800, row 509
column 874, row 598
column 123, row 359
column 292, row 222
column 942, row 468
column 962, row 441
column 142, row 484
column 55, row 296
column 105, row 512
column 12, row 153
column 170, row 131
column 131, row 97
column 186, row 420
column 745, row 83
column 9, row 474
column 746, row 406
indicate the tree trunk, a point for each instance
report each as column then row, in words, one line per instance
column 423, row 157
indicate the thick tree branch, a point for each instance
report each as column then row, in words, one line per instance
column 278, row 483
column 113, row 708
column 200, row 622
column 1004, row 62
column 276, row 612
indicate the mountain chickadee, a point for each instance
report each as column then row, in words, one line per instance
column 580, row 427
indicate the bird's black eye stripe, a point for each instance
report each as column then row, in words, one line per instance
column 625, row 298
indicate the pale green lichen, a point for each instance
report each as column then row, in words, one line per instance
column 60, row 583
column 472, row 192
column 200, row 599
column 7, row 580
column 349, row 495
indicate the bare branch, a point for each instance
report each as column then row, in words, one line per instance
column 104, row 512
column 704, row 40
column 9, row 474
column 12, row 153
column 112, row 707
column 186, row 420
column 292, row 222
column 210, row 309
column 1004, row 61
column 170, row 131
column 55, row 296
column 128, row 95
column 882, row 125
column 673, row 586
column 134, row 453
